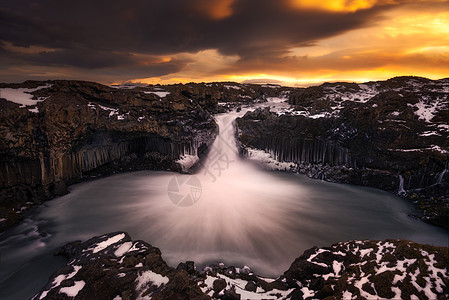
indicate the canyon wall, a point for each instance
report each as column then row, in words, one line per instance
column 82, row 129
column 392, row 135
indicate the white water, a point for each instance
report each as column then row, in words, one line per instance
column 401, row 190
column 242, row 216
column 441, row 176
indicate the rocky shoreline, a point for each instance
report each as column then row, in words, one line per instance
column 113, row 266
column 391, row 135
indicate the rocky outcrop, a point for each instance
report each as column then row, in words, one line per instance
column 219, row 96
column 392, row 269
column 392, row 135
column 54, row 133
column 112, row 266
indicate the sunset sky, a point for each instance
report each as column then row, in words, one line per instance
column 294, row 42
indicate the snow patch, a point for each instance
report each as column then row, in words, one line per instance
column 239, row 286
column 72, row 291
column 187, row 161
column 110, row 241
column 112, row 111
column 426, row 109
column 160, row 94
column 310, row 259
column 268, row 161
column 307, row 293
column 34, row 110
column 429, row 133
column 147, row 279
column 232, row 87
column 22, row 96
column 124, row 248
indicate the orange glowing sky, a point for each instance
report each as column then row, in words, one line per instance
column 295, row 42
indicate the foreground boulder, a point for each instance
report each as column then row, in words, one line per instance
column 112, row 266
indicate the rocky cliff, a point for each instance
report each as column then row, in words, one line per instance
column 112, row 266
column 392, row 135
column 56, row 132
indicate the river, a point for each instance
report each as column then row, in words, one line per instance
column 230, row 211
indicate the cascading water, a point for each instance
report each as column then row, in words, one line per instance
column 401, row 190
column 442, row 174
column 238, row 214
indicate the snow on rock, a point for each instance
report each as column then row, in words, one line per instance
column 59, row 279
column 232, row 87
column 392, row 269
column 112, row 111
column 123, row 248
column 426, row 110
column 127, row 86
column 186, row 161
column 341, row 93
column 443, row 127
column 346, row 270
column 103, row 245
column 104, row 265
column 72, row 291
column 312, row 257
column 431, row 148
column 268, row 161
column 263, row 288
column 146, row 279
column 23, row 96
column 161, row 94
column 34, row 110
column 429, row 133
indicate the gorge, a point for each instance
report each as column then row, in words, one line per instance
column 242, row 214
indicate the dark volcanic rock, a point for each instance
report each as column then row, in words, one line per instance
column 392, row 269
column 392, row 135
column 219, row 96
column 88, row 129
column 112, row 266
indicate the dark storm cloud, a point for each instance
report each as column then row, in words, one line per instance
column 102, row 34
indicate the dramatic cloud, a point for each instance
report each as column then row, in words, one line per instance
column 201, row 40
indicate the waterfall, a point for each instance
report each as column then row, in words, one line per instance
column 441, row 176
column 401, row 190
